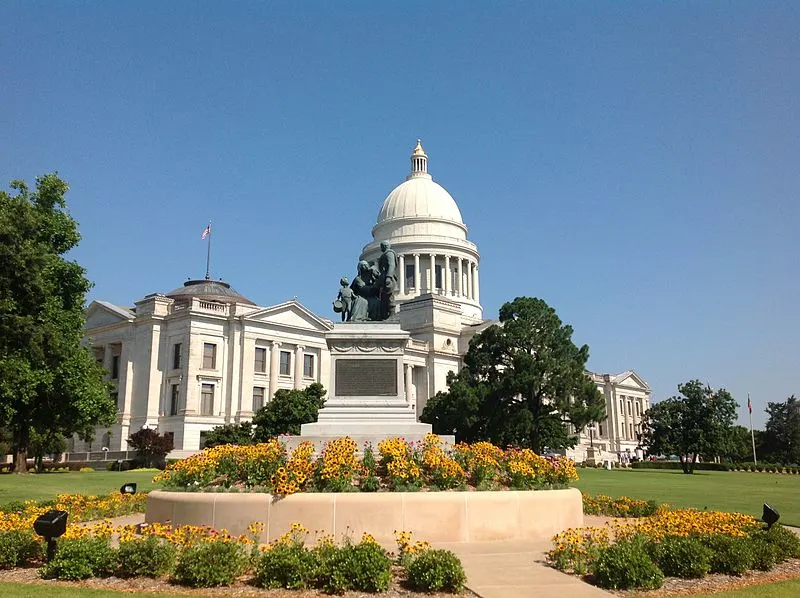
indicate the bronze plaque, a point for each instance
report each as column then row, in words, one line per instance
column 366, row 377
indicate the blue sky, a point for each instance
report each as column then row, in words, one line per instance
column 634, row 164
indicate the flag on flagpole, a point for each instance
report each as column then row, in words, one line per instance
column 206, row 231
column 749, row 404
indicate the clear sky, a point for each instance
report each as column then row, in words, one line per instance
column 634, row 164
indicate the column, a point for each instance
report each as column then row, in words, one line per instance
column 469, row 280
column 416, row 275
column 432, row 285
column 402, row 274
column 298, row 366
column 447, row 276
column 460, row 278
column 477, row 286
column 408, row 383
column 274, row 364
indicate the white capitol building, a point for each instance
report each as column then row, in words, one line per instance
column 203, row 355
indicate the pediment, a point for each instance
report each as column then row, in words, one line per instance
column 632, row 380
column 102, row 313
column 290, row 315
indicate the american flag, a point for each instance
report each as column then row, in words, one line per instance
column 206, row 232
column 749, row 404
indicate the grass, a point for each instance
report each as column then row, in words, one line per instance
column 30, row 590
column 782, row 589
column 45, row 486
column 740, row 492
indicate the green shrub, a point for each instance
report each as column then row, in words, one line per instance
column 210, row 564
column 731, row 556
column 766, row 555
column 18, row 548
column 288, row 566
column 80, row 559
column 146, row 558
column 434, row 571
column 682, row 557
column 678, row 465
column 785, row 540
column 363, row 567
column 626, row 565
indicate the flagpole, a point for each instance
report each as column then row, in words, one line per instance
column 208, row 254
column 752, row 435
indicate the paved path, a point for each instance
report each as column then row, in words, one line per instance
column 516, row 569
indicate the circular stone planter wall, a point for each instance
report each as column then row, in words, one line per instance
column 431, row 516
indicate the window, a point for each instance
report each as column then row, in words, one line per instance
column 174, row 395
column 638, row 408
column 621, row 408
column 258, row 397
column 439, row 277
column 115, row 367
column 176, row 356
column 209, row 356
column 207, row 399
column 308, row 366
column 600, row 429
column 409, row 276
column 260, row 364
column 630, row 430
column 286, row 363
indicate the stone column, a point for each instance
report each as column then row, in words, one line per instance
column 432, row 285
column 469, row 280
column 460, row 278
column 477, row 286
column 298, row 366
column 402, row 274
column 416, row 275
column 408, row 383
column 447, row 276
column 274, row 364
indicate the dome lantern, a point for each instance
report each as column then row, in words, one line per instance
column 419, row 161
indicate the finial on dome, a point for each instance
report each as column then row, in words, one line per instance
column 419, row 160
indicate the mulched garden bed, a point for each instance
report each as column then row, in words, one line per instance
column 240, row 588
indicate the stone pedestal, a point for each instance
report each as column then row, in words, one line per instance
column 367, row 398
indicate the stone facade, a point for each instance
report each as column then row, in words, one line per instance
column 203, row 355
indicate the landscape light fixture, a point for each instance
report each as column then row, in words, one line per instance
column 50, row 526
column 128, row 489
column 770, row 516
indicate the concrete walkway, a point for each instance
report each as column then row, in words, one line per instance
column 516, row 569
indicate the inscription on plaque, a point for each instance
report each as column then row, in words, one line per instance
column 366, row 377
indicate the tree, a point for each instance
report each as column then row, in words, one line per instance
column 782, row 437
column 241, row 434
column 151, row 447
column 522, row 382
column 287, row 410
column 49, row 382
column 699, row 423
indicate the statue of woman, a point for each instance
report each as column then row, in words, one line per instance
column 365, row 300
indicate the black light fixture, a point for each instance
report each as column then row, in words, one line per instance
column 770, row 516
column 128, row 488
column 50, row 526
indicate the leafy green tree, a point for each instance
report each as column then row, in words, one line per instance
column 522, row 382
column 782, row 434
column 287, row 410
column 50, row 443
column 696, row 424
column 739, row 447
column 49, row 382
column 241, row 434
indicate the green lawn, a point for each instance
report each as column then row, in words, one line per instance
column 783, row 589
column 44, row 486
column 30, row 590
column 713, row 490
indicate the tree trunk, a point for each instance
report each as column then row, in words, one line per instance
column 685, row 464
column 23, row 437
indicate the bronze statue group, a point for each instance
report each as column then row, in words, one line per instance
column 370, row 297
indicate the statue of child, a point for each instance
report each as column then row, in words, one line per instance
column 346, row 298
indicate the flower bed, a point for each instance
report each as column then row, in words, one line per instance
column 203, row 557
column 619, row 507
column 678, row 543
column 397, row 466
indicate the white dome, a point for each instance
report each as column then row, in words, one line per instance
column 419, row 197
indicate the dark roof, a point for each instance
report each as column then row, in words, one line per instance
column 210, row 290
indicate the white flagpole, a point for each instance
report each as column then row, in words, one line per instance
column 752, row 435
column 208, row 254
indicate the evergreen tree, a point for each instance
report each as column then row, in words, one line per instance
column 782, row 437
